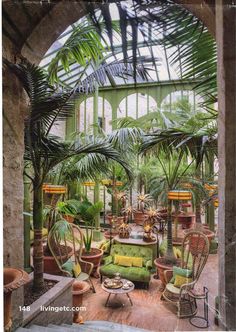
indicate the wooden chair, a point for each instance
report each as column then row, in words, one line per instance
column 194, row 254
column 69, row 237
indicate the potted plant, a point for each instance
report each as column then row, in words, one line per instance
column 143, row 201
column 68, row 209
column 87, row 213
column 149, row 224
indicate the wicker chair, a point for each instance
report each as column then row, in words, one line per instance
column 194, row 253
column 67, row 235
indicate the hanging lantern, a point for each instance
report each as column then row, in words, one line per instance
column 89, row 184
column 211, row 187
column 55, row 189
column 118, row 183
column 45, row 185
column 179, row 195
column 106, row 182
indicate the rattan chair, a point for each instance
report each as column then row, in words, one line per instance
column 70, row 237
column 194, row 254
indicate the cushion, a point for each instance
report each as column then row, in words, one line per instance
column 181, row 272
column 180, row 280
column 76, row 269
column 125, row 261
column 68, row 266
column 116, row 259
column 137, row 261
column 177, row 252
column 130, row 273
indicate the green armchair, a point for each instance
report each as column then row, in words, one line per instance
column 133, row 273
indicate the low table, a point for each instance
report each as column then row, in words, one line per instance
column 118, row 291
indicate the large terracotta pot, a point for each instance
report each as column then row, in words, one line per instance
column 13, row 279
column 78, row 289
column 162, row 266
column 95, row 257
column 186, row 220
column 209, row 234
column 139, row 217
column 50, row 264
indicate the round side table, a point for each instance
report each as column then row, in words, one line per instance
column 118, row 291
column 198, row 319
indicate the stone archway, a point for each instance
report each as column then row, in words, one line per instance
column 220, row 19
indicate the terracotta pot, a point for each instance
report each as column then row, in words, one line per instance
column 68, row 218
column 95, row 257
column 78, row 289
column 107, row 234
column 139, row 217
column 162, row 266
column 50, row 264
column 13, row 279
column 185, row 220
column 117, row 220
column 209, row 234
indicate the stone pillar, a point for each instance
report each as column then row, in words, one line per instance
column 226, row 41
column 13, row 151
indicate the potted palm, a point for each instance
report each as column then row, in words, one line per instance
column 87, row 212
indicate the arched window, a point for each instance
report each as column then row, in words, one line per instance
column 85, row 115
column 136, row 105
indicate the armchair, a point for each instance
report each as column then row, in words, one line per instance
column 194, row 254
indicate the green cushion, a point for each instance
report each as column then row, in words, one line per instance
column 130, row 273
column 68, row 266
column 181, row 272
column 132, row 251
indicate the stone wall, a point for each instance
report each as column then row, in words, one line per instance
column 13, row 150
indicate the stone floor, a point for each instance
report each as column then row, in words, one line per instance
column 148, row 311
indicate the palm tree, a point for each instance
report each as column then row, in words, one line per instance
column 44, row 151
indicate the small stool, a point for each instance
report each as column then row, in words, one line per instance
column 200, row 296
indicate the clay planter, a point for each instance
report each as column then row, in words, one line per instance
column 117, row 220
column 185, row 220
column 13, row 279
column 50, row 264
column 108, row 236
column 162, row 266
column 140, row 217
column 209, row 234
column 78, row 289
column 95, row 257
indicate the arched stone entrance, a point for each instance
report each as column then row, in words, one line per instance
column 221, row 15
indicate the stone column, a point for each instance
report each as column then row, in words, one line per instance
column 226, row 41
column 13, row 151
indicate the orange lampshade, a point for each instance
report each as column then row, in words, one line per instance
column 210, row 186
column 118, row 183
column 89, row 184
column 179, row 195
column 106, row 182
column 55, row 189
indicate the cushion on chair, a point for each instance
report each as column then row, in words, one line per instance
column 76, row 270
column 180, row 280
column 181, row 272
column 68, row 266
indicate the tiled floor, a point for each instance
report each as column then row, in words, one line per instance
column 148, row 311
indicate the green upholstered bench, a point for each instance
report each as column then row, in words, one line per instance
column 133, row 273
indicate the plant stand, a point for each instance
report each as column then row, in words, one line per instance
column 204, row 319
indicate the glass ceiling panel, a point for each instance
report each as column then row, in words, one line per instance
column 160, row 67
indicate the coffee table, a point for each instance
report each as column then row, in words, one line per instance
column 118, row 291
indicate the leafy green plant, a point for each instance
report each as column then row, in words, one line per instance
column 87, row 212
column 69, row 207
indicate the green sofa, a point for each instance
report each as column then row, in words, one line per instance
column 142, row 274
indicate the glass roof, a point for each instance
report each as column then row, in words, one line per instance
column 156, row 57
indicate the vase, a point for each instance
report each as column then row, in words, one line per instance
column 78, row 289
column 13, row 279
